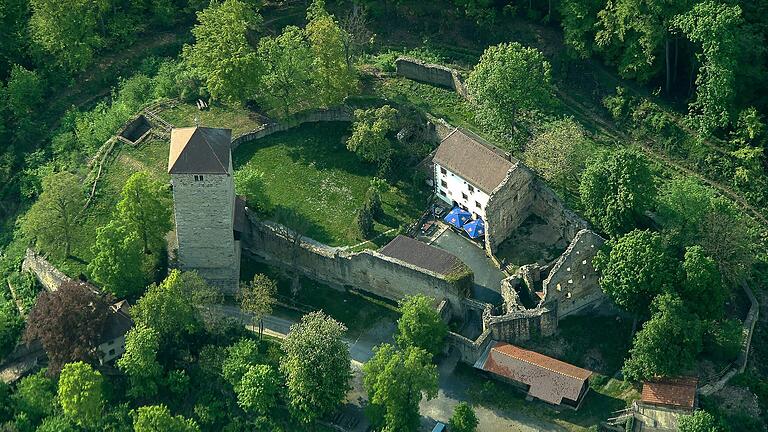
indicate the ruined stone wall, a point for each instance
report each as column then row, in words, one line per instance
column 368, row 270
column 508, row 206
column 551, row 208
column 48, row 275
column 521, row 326
column 342, row 113
column 469, row 350
column 429, row 73
column 573, row 283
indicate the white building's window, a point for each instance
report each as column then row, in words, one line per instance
column 443, row 171
column 477, row 204
column 443, row 183
column 463, row 195
column 442, row 192
column 471, row 189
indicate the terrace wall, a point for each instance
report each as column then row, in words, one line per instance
column 368, row 270
column 48, row 275
column 341, row 113
column 429, row 73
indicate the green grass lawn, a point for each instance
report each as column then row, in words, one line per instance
column 237, row 118
column 353, row 310
column 309, row 170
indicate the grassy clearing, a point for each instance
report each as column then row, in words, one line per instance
column 355, row 311
column 308, row 169
column 237, row 118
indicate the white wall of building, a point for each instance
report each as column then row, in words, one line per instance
column 452, row 187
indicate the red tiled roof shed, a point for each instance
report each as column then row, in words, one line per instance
column 672, row 392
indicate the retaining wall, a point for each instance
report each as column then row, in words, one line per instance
column 368, row 270
column 48, row 275
column 341, row 113
column 429, row 73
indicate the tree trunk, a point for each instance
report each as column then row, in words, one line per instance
column 261, row 328
column 674, row 68
column 667, row 63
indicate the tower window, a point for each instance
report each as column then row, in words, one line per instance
column 198, row 177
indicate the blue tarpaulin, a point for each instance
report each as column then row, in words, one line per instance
column 457, row 217
column 475, row 229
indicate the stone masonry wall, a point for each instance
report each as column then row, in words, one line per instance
column 551, row 208
column 509, row 205
column 204, row 212
column 48, row 275
column 368, row 270
column 573, row 284
column 435, row 74
column 521, row 326
column 342, row 113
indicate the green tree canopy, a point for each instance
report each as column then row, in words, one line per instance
column 167, row 309
column 333, row 80
column 117, row 264
column 420, row 325
column 221, row 56
column 145, row 206
column 240, row 357
column 668, row 343
column 369, row 138
column 35, row 396
column 702, row 289
column 396, row 381
column 287, row 70
column 634, row 269
column 616, row 188
column 715, row 26
column 51, row 219
column 258, row 390
column 509, row 77
column 558, row 151
column 24, row 93
column 139, row 362
column 463, row 418
column 158, row 418
column 699, row 421
column 80, row 394
column 67, row 30
column 316, row 366
column 257, row 298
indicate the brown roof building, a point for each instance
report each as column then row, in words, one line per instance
column 422, row 255
column 675, row 393
column 466, row 154
column 543, row 377
column 199, row 150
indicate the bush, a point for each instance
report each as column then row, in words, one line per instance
column 722, row 339
column 364, row 221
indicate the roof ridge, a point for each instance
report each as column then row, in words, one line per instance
column 541, row 366
column 216, row 156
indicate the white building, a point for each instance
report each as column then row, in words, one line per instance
column 466, row 171
column 118, row 323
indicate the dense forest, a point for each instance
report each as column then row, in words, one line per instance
column 648, row 117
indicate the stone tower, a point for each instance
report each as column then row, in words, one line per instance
column 200, row 165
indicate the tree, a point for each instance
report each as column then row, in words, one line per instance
column 634, row 269
column 35, row 396
column 240, row 357
column 158, row 418
column 699, row 421
column 249, row 183
column 258, row 389
column 67, row 30
column 668, row 343
column 509, row 78
column 117, row 264
column 52, row 218
column 68, row 322
column 357, row 36
column 316, row 366
column 13, row 34
column 258, row 297
column 364, row 220
column 287, row 70
column 24, row 92
column 167, row 309
column 702, row 289
column 579, row 20
column 332, row 78
column 11, row 327
column 694, row 214
column 557, row 151
column 80, row 394
column 139, row 362
column 396, row 382
column 420, row 325
column 369, row 133
column 616, row 189
column 715, row 26
column 221, row 56
column 205, row 297
column 56, row 424
column 463, row 418
column 145, row 206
